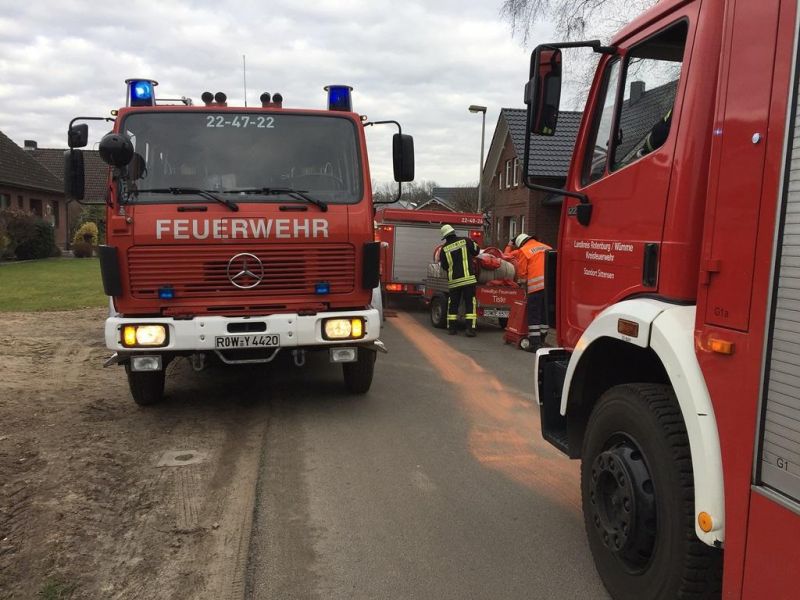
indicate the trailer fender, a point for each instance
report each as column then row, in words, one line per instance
column 668, row 330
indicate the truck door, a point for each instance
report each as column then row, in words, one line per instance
column 623, row 163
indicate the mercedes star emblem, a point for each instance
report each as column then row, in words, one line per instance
column 245, row 271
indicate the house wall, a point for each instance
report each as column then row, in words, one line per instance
column 518, row 209
column 50, row 206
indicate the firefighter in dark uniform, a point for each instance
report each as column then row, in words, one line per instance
column 456, row 260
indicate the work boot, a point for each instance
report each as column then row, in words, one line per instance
column 452, row 331
column 534, row 343
column 471, row 332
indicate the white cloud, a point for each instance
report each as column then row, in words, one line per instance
column 421, row 63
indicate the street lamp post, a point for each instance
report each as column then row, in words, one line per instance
column 480, row 109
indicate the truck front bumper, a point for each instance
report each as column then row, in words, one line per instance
column 199, row 334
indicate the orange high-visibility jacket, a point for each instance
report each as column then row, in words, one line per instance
column 530, row 264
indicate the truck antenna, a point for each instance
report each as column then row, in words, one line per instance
column 244, row 79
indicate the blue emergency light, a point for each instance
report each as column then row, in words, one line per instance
column 339, row 97
column 166, row 292
column 141, row 92
column 323, row 287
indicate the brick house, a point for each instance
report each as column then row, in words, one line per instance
column 32, row 179
column 27, row 185
column 517, row 209
column 95, row 175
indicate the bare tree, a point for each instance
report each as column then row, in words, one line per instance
column 573, row 19
column 414, row 192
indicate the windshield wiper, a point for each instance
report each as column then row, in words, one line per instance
column 179, row 191
column 268, row 191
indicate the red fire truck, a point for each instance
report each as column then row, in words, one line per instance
column 237, row 233
column 677, row 285
column 408, row 239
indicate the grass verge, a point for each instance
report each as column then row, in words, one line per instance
column 53, row 589
column 51, row 284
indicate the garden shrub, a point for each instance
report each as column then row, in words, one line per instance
column 87, row 232
column 82, row 249
column 32, row 238
column 92, row 214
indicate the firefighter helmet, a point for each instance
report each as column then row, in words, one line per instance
column 447, row 230
column 520, row 240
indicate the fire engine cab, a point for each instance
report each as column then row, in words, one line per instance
column 236, row 233
column 677, row 292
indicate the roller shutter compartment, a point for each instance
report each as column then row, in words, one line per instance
column 779, row 459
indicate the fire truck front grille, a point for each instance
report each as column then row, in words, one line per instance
column 203, row 271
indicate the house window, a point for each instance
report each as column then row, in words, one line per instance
column 499, row 231
column 56, row 216
column 36, row 207
column 508, row 173
column 512, row 229
column 516, row 172
column 500, row 180
column 5, row 201
column 20, row 202
column 522, row 224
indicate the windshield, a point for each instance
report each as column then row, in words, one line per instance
column 237, row 154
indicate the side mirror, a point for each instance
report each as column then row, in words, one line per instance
column 78, row 136
column 403, row 154
column 543, row 90
column 116, row 149
column 74, row 174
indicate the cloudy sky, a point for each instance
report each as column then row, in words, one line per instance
column 421, row 62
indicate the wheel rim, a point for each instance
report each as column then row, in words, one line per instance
column 436, row 311
column 623, row 506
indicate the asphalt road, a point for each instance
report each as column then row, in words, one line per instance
column 434, row 485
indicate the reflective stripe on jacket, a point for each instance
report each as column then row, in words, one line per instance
column 456, row 260
column 530, row 264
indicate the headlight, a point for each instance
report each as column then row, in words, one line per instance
column 343, row 329
column 144, row 335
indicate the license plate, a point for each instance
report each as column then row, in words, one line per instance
column 495, row 312
column 230, row 342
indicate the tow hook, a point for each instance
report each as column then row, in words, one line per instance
column 198, row 361
column 299, row 357
column 112, row 360
column 380, row 346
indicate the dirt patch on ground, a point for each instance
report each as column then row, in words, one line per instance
column 85, row 508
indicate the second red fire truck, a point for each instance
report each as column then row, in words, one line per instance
column 677, row 288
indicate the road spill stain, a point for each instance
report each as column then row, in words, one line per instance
column 505, row 433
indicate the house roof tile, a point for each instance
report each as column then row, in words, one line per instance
column 19, row 168
column 550, row 156
column 95, row 170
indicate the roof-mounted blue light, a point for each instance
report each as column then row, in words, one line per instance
column 141, row 92
column 339, row 97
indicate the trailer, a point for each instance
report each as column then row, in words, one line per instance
column 494, row 301
column 408, row 239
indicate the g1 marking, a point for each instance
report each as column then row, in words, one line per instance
column 241, row 121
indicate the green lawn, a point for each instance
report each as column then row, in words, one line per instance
column 51, row 284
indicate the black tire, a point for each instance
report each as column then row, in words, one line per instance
column 439, row 312
column 637, row 492
column 147, row 387
column 502, row 321
column 358, row 374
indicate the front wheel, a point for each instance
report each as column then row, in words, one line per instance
column 637, row 492
column 358, row 374
column 147, row 387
